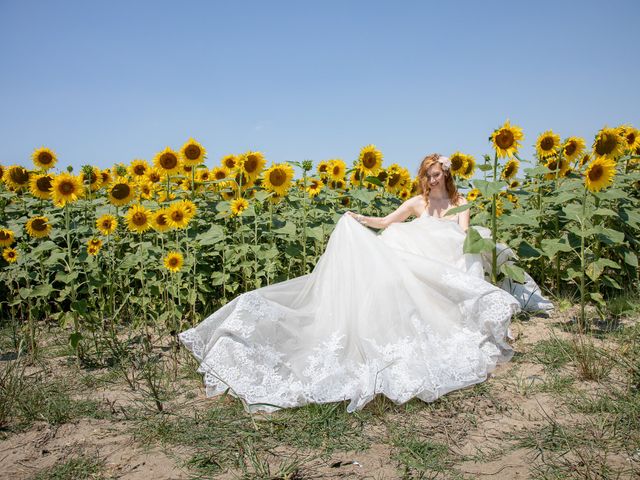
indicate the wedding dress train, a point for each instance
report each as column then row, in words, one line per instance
column 403, row 313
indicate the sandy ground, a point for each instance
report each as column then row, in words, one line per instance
column 478, row 430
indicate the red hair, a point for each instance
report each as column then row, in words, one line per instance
column 423, row 183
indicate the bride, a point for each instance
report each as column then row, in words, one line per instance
column 403, row 313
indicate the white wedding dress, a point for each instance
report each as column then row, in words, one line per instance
column 403, row 313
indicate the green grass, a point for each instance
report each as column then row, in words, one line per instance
column 81, row 468
column 553, row 353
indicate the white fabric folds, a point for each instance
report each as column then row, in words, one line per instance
column 401, row 313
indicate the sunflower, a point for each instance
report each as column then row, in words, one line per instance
column 2, row 170
column 473, row 195
column 230, row 162
column 138, row 168
column 404, row 194
column 357, row 175
column 203, row 175
column 253, row 163
column 573, row 148
column 95, row 178
column 106, row 177
column 499, row 207
column 167, row 161
column 192, row 153
column 16, row 178
column 586, row 158
column 548, row 144
column 609, row 144
column 370, row 160
column 559, row 169
column 415, row 187
column 106, row 224
column 599, row 174
column 66, row 188
column 173, row 261
column 154, row 175
column 93, row 250
column 458, row 164
column 514, row 184
column 94, row 242
column 278, row 178
column 38, row 227
column 336, row 184
column 186, row 169
column 121, row 192
column 189, row 207
column 510, row 169
column 220, row 173
column 40, row 185
column 323, row 168
column 6, row 237
column 396, row 178
column 630, row 135
column 44, row 158
column 146, row 189
column 468, row 172
column 314, row 187
column 159, row 220
column 10, row 255
column 238, row 206
column 177, row 215
column 138, row 219
column 506, row 139
column 337, row 169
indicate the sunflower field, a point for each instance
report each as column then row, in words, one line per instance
column 152, row 248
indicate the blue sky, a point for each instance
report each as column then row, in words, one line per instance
column 106, row 82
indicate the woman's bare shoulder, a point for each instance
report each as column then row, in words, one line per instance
column 461, row 200
column 417, row 204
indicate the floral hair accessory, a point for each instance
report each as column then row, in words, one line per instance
column 445, row 162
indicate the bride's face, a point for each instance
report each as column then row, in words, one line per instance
column 435, row 177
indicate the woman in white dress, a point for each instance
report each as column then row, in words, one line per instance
column 403, row 313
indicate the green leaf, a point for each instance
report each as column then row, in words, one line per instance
column 631, row 258
column 597, row 297
column 365, row 196
column 43, row 290
column 54, row 258
column 212, row 236
column 610, row 282
column 608, row 235
column 74, row 339
column 513, row 219
column 525, row 250
column 474, row 243
column 573, row 211
column 489, row 188
column 552, row 247
column 459, row 209
column 24, row 293
column 288, row 229
column 605, row 212
column 513, row 271
column 374, row 180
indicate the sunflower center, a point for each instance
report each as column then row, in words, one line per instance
column 369, row 159
column 139, row 169
column 39, row 224
column 508, row 171
column 596, row 173
column 177, row 215
column 174, row 262
column 456, row 163
column 161, row 220
column 45, row 158
column 4, row 236
column 552, row 165
column 168, row 161
column 66, row 187
column 139, row 219
column 336, row 170
column 44, row 183
column 505, row 139
column 154, row 177
column 19, row 175
column 277, row 177
column 606, row 144
column 394, row 178
column 570, row 149
column 120, row 191
column 631, row 138
column 382, row 175
column 107, row 224
column 322, row 168
column 547, row 144
column 230, row 162
column 219, row 175
column 192, row 152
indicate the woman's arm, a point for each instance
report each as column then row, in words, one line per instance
column 464, row 217
column 404, row 211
